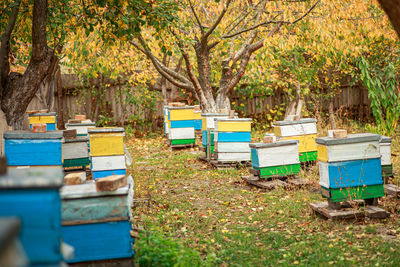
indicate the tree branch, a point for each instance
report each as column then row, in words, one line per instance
column 197, row 18
column 212, row 28
column 5, row 45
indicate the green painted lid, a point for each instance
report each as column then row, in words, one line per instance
column 30, row 135
column 301, row 121
column 274, row 144
column 350, row 139
column 32, row 177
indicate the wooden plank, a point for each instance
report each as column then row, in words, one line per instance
column 323, row 209
column 70, row 134
column 3, row 165
column 75, row 178
column 264, row 184
column 75, row 150
column 111, row 183
column 392, row 190
column 350, row 173
column 376, row 212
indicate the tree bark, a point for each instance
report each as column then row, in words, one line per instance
column 331, row 114
column 392, row 9
column 20, row 89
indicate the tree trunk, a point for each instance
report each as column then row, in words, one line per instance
column 392, row 9
column 331, row 115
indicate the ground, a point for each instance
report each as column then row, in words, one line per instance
column 190, row 214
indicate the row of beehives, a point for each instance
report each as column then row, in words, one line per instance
column 34, row 190
column 356, row 162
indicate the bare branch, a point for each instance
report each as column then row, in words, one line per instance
column 217, row 21
column 212, row 45
column 197, row 18
column 273, row 21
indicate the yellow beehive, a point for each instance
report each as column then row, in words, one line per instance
column 234, row 126
column 197, row 115
column 306, row 142
column 42, row 119
column 106, row 141
column 181, row 114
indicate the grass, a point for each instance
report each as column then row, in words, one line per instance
column 213, row 216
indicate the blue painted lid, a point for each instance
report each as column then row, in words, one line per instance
column 32, row 177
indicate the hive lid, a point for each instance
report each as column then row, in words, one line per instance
column 274, row 144
column 350, row 139
column 43, row 114
column 88, row 190
column 106, row 130
column 186, row 107
column 301, row 121
column 214, row 114
column 233, row 119
column 32, row 177
column 81, row 124
column 30, row 135
column 385, row 139
column 77, row 139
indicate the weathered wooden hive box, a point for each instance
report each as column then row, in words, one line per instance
column 304, row 130
column 232, row 138
column 350, row 168
column 181, row 125
column 386, row 156
column 97, row 224
column 107, row 154
column 32, row 195
column 81, row 128
column 50, row 119
column 24, row 148
column 197, row 120
column 75, row 152
column 166, row 122
column 279, row 158
column 208, row 125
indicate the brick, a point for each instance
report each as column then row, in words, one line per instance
column 110, row 183
column 69, row 134
column 74, row 178
column 80, row 117
column 269, row 139
column 196, row 107
column 39, row 128
column 339, row 133
column 32, row 111
column 231, row 114
column 74, row 121
column 176, row 104
column 3, row 165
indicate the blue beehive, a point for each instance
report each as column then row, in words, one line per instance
column 97, row 224
column 24, row 148
column 32, row 195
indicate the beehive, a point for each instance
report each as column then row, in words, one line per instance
column 24, row 148
column 107, row 154
column 197, row 120
column 303, row 130
column 350, row 168
column 81, row 128
column 181, row 125
column 279, row 158
column 231, row 139
column 208, row 124
column 386, row 156
column 32, row 195
column 97, row 224
column 75, row 152
column 50, row 119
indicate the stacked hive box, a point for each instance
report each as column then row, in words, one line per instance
column 350, row 168
column 33, row 196
column 81, row 128
column 50, row 119
column 304, row 130
column 107, row 154
column 208, row 125
column 24, row 148
column 275, row 159
column 197, row 120
column 231, row 139
column 97, row 224
column 386, row 156
column 181, row 126
column 166, row 122
column 75, row 152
